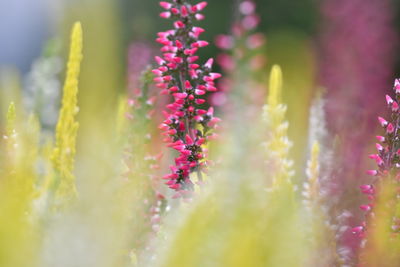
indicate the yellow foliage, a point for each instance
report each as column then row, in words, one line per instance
column 275, row 87
column 18, row 230
column 382, row 242
column 10, row 126
column 67, row 126
column 277, row 144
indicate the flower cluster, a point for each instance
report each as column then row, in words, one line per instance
column 387, row 158
column 243, row 36
column 242, row 58
column 187, row 125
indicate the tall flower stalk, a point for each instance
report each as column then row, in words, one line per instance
column 187, row 125
column 382, row 224
column 63, row 155
column 387, row 157
column 278, row 143
column 347, row 73
column 243, row 62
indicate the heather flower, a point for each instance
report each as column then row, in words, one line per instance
column 387, row 156
column 242, row 61
column 141, row 164
column 187, row 125
column 354, row 62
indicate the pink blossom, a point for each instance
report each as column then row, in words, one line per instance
column 187, row 126
column 386, row 159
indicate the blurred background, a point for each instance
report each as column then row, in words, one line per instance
column 344, row 50
column 347, row 47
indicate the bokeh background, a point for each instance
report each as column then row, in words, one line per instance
column 346, row 50
column 347, row 47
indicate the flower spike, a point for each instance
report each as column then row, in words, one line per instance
column 387, row 160
column 187, row 125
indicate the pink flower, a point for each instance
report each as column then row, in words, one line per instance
column 386, row 158
column 187, row 125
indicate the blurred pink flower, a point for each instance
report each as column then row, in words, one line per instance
column 356, row 65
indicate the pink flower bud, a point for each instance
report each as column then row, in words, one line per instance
column 389, row 100
column 199, row 92
column 175, row 186
column 397, row 86
column 199, row 16
column 390, row 128
column 163, row 127
column 201, row 111
column 365, row 207
column 189, row 140
column 161, row 85
column 380, row 138
column 382, row 121
column 377, row 158
column 197, row 31
column 365, row 187
column 255, row 41
column 357, row 230
column 160, row 61
column 215, row 75
column 180, row 95
column 372, row 172
column 395, row 106
column 179, row 24
column 178, row 44
column 157, row 72
column 165, row 5
column 174, row 89
column 193, row 59
column 209, row 63
column 175, row 11
column 250, row 22
column 167, row 78
column 200, row 101
column 200, row 44
column 184, row 11
column 379, row 147
column 224, row 41
column 214, row 121
column 165, row 15
column 158, row 79
column 172, row 132
column 210, row 111
column 188, row 85
column 247, row 7
column 200, row 6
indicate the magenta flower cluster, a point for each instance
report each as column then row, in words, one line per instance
column 387, row 157
column 187, row 125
